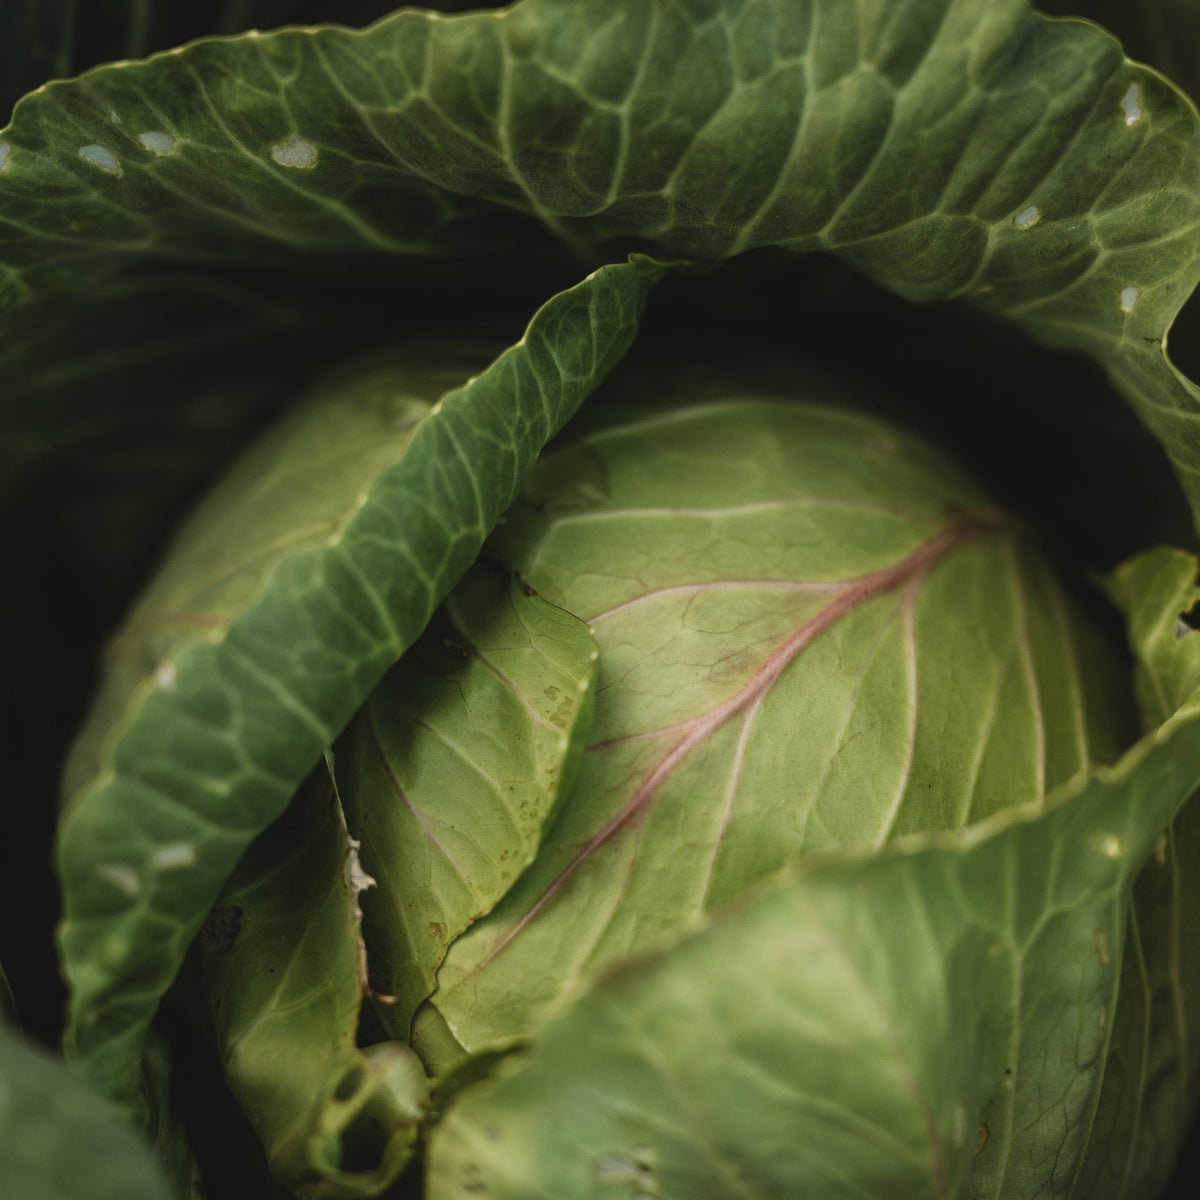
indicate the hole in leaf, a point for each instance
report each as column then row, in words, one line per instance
column 349, row 1083
column 1188, row 621
column 364, row 1141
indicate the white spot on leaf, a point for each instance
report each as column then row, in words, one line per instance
column 165, row 676
column 295, row 152
column 122, row 876
column 1100, row 939
column 1131, row 104
column 158, row 142
column 1129, row 297
column 5, row 153
column 1109, row 845
column 170, row 856
column 1029, row 216
column 1160, row 850
column 100, row 157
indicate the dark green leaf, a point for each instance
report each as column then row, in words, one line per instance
column 60, row 1141
column 269, row 625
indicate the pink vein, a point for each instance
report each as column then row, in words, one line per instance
column 847, row 596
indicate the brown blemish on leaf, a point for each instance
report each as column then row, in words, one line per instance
column 220, row 931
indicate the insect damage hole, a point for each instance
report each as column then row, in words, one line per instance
column 158, row 142
column 1131, row 104
column 100, row 156
column 295, row 152
column 171, row 856
column 349, row 1083
column 122, row 876
column 1028, row 217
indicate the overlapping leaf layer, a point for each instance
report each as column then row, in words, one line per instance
column 789, row 664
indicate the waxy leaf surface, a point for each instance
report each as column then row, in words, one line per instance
column 454, row 766
column 814, row 635
column 1146, row 1103
column 928, row 1023
column 948, row 148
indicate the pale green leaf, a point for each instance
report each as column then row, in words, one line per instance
column 925, row 1023
column 814, row 635
column 278, row 975
column 1148, row 1097
column 454, row 766
column 1148, row 1094
column 1157, row 591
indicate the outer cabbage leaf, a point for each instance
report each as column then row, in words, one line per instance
column 1147, row 1099
column 929, row 1022
column 59, row 1141
column 257, row 644
column 945, row 147
column 814, row 634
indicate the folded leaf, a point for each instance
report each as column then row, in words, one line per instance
column 263, row 633
column 455, row 765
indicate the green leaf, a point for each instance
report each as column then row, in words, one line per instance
column 60, row 1141
column 455, row 765
column 1157, row 591
column 1146, row 1101
column 947, row 148
column 930, row 1022
column 264, row 632
column 1159, row 32
column 278, row 973
column 751, row 568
